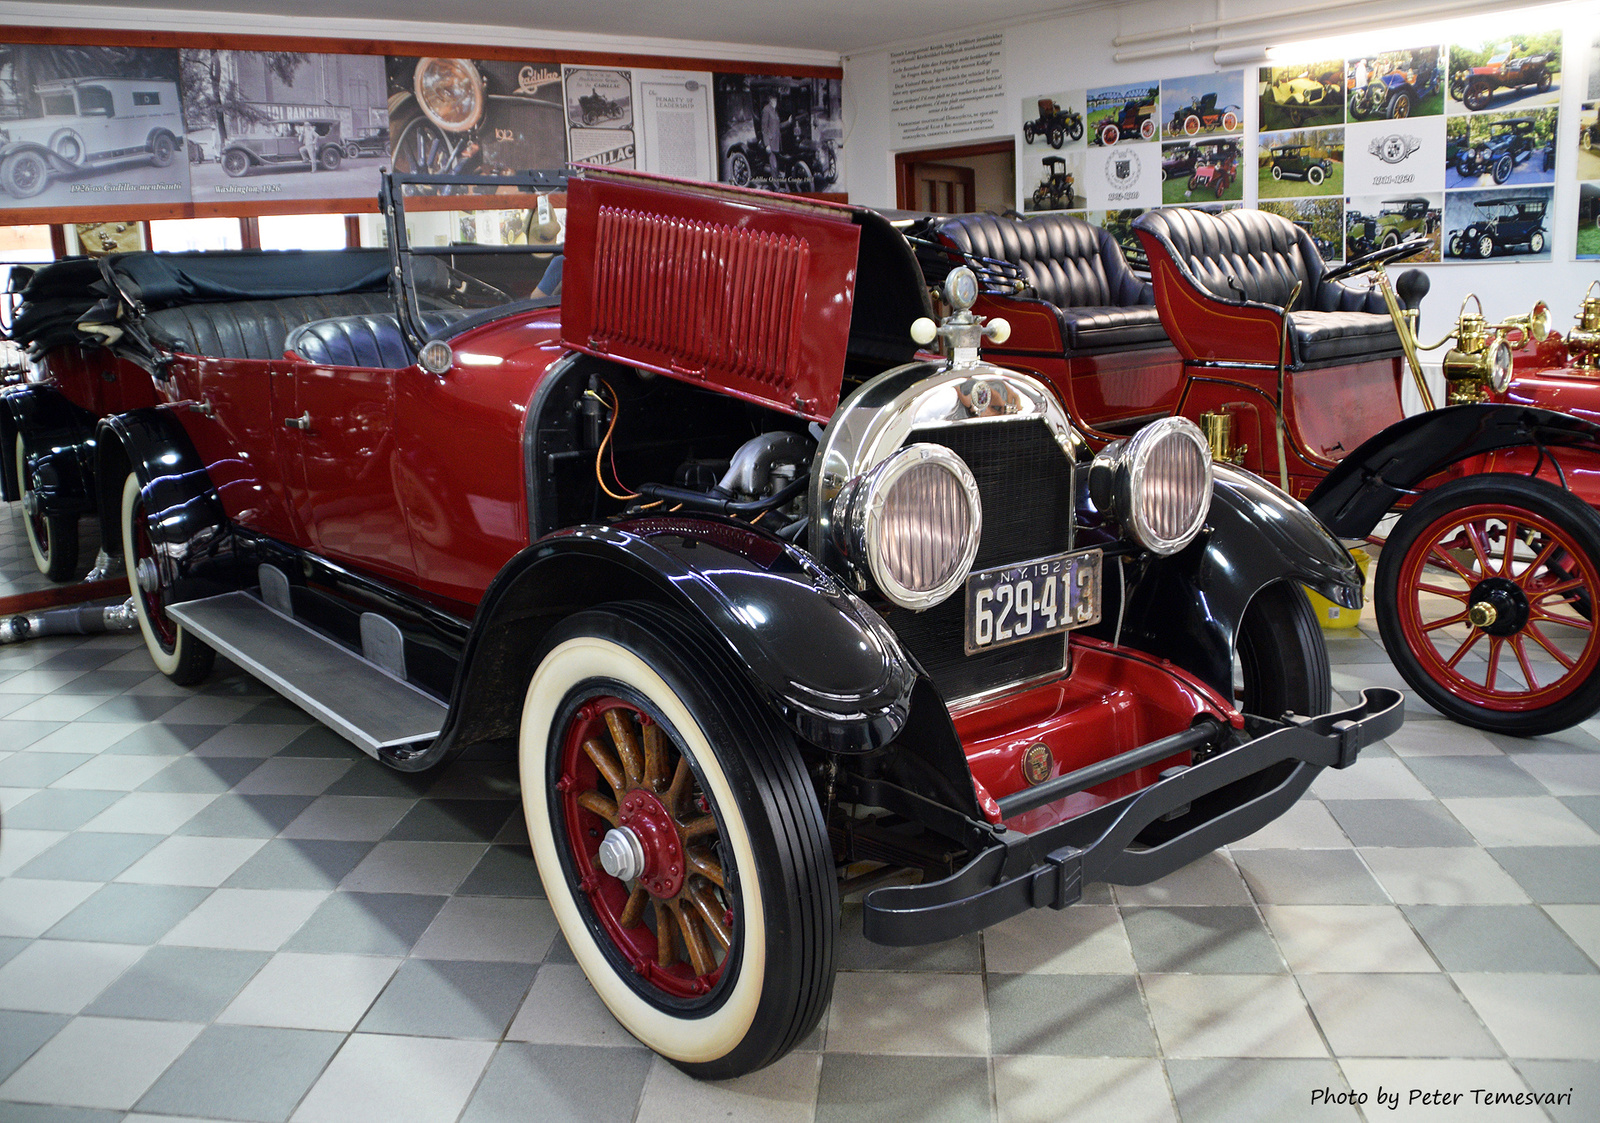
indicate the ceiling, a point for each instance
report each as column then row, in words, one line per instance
column 838, row 26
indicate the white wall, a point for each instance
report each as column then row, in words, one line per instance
column 1076, row 51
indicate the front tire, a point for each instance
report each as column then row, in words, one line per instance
column 1076, row 131
column 176, row 653
column 1282, row 659
column 1027, row 132
column 235, row 162
column 1476, row 97
column 638, row 728
column 1399, row 106
column 52, row 538
column 1503, row 168
column 739, row 173
column 1315, row 175
column 1058, row 137
column 25, row 174
column 1482, row 592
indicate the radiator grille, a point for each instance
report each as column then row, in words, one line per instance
column 1025, row 479
column 710, row 296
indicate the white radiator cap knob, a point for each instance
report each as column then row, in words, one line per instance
column 998, row 329
column 924, row 331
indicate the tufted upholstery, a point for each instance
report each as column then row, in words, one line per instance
column 1248, row 256
column 371, row 339
column 250, row 329
column 1077, row 268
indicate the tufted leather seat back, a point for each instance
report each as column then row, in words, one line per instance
column 372, row 339
column 251, row 329
column 1068, row 262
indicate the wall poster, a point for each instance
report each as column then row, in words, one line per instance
column 600, row 117
column 674, row 123
column 1586, row 162
column 782, row 134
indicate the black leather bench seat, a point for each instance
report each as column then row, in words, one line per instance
column 1077, row 269
column 1323, row 337
column 371, row 339
column 251, row 329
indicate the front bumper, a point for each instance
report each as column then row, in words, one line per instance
column 1223, row 798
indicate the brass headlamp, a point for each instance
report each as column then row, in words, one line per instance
column 1583, row 341
column 1480, row 359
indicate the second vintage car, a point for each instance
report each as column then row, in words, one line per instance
column 1508, row 224
column 768, row 604
column 87, row 123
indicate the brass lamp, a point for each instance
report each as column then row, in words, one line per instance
column 1583, row 341
column 1480, row 359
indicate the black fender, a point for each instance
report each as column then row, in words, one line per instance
column 1188, row 608
column 825, row 662
column 60, row 436
column 188, row 527
column 1385, row 468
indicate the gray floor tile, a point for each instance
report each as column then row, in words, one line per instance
column 246, row 816
column 1225, row 940
column 857, row 953
column 87, row 856
column 1399, row 822
column 299, row 863
column 368, row 777
column 60, row 809
column 512, row 929
column 37, row 770
column 1309, row 877
column 164, row 739
column 179, row 984
column 10, row 946
column 20, row 734
column 1455, row 776
column 103, row 682
column 319, row 740
column 367, row 923
column 1551, row 875
column 1585, row 807
column 131, row 707
column 867, row 1089
column 1514, row 938
column 243, row 1072
column 377, row 1078
column 569, row 1083
column 1395, row 1015
column 504, row 871
column 1580, row 1078
column 200, row 774
column 39, row 1113
column 127, row 1056
column 128, row 914
column 1254, row 1089
column 1069, row 1015
column 1546, row 1017
column 476, row 779
column 450, row 998
column 21, row 1033
column 454, row 820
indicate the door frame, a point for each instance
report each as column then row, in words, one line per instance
column 905, row 198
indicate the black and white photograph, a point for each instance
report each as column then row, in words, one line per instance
column 284, row 124
column 782, row 134
column 600, row 117
column 90, row 126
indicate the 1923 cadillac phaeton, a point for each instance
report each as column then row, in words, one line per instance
column 1484, row 588
column 878, row 611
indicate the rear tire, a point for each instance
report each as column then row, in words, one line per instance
column 720, row 791
column 52, row 538
column 177, row 654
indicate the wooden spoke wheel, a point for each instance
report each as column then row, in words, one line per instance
column 1484, row 598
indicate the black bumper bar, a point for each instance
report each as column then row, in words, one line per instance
column 1223, row 798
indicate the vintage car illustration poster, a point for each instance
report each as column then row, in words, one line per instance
column 1503, row 148
column 1395, row 85
column 1051, row 123
column 96, row 239
column 1123, row 114
column 674, row 123
column 1588, row 243
column 1055, row 183
column 1306, row 162
column 1305, row 93
column 90, row 126
column 461, row 116
column 1586, row 164
column 779, row 133
column 1399, row 155
column 600, row 117
column 1511, row 223
column 1322, row 219
column 1372, row 222
column 1123, row 177
column 270, row 125
column 1119, row 224
column 1199, row 171
column 1516, row 71
column 1202, row 105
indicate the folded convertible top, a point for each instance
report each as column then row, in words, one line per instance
column 161, row 280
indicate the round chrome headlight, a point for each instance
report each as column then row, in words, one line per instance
column 450, row 91
column 913, row 522
column 1157, row 484
column 1499, row 364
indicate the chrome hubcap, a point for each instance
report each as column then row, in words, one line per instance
column 149, row 579
column 30, row 503
column 621, row 854
column 1482, row 614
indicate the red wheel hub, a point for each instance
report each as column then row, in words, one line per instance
column 643, row 814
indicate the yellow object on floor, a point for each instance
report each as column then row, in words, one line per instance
column 1335, row 617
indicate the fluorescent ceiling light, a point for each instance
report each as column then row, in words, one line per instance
column 1463, row 29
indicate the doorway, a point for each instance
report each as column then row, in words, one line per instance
column 959, row 180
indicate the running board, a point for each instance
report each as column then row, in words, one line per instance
column 327, row 680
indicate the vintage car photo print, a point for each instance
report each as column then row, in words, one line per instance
column 1120, row 114
column 90, row 126
column 1505, row 148
column 1517, row 71
column 1375, row 222
column 1395, row 85
column 1307, row 93
column 265, row 125
column 1057, row 183
column 1202, row 105
column 1323, row 219
column 1052, row 122
column 779, row 133
column 1196, row 171
column 600, row 117
column 1301, row 162
column 1509, row 222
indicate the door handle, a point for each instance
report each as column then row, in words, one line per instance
column 302, row 422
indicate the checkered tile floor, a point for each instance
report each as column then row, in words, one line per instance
column 212, row 908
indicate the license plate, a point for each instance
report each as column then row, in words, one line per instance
column 1032, row 599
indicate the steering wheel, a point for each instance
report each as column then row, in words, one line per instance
column 1381, row 256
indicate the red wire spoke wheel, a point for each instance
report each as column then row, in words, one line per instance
column 679, row 839
column 1485, row 592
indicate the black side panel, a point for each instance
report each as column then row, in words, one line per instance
column 46, row 419
column 1369, row 481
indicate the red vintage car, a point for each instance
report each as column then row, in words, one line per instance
column 768, row 604
column 1311, row 399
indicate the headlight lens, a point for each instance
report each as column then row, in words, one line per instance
column 1157, row 484
column 1499, row 364
column 913, row 522
column 450, row 91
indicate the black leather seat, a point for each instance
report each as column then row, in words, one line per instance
column 1077, row 268
column 1250, row 257
column 251, row 329
column 371, row 339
